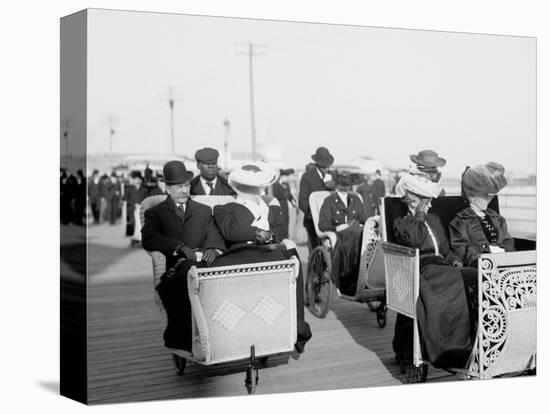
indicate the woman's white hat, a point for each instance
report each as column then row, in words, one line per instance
column 419, row 185
column 256, row 174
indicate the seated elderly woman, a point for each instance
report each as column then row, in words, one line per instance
column 343, row 212
column 443, row 313
column 253, row 229
column 478, row 229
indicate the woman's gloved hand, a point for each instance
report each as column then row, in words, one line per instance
column 263, row 237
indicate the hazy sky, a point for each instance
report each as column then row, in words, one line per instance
column 385, row 93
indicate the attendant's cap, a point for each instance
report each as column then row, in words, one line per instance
column 174, row 172
column 207, row 155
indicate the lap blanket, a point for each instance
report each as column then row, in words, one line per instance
column 443, row 315
column 173, row 292
column 446, row 314
column 346, row 258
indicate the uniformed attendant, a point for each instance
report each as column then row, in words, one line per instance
column 209, row 182
column 179, row 227
column 314, row 179
column 343, row 212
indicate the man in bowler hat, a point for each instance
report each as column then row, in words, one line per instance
column 209, row 182
column 179, row 228
column 314, row 179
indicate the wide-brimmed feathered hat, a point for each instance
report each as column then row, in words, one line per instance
column 250, row 177
column 484, row 179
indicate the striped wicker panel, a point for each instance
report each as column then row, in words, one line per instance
column 507, row 333
column 402, row 277
column 239, row 306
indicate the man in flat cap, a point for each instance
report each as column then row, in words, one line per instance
column 314, row 179
column 209, row 182
column 180, row 228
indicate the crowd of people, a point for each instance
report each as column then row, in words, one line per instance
column 254, row 227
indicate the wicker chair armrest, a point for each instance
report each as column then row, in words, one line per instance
column 159, row 265
column 398, row 249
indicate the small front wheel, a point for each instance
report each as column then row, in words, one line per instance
column 381, row 316
column 180, row 364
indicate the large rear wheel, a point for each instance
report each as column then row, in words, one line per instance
column 319, row 285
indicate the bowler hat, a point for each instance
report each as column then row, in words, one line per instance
column 323, row 157
column 286, row 171
column 174, row 172
column 207, row 155
column 428, row 158
column 136, row 174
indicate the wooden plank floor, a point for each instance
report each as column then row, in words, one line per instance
column 128, row 362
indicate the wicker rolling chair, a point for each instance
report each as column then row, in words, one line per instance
column 506, row 335
column 242, row 311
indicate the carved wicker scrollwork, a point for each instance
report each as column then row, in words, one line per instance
column 503, row 289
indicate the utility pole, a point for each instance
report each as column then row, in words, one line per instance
column 111, row 135
column 66, row 137
column 227, row 126
column 252, row 50
column 173, row 96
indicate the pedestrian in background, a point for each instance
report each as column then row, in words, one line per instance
column 315, row 178
column 379, row 189
column 281, row 191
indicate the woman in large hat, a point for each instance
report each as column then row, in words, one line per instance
column 478, row 229
column 443, row 310
column 253, row 229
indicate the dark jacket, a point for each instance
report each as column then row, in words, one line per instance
column 165, row 231
column 412, row 232
column 135, row 195
column 311, row 181
column 222, row 187
column 333, row 212
column 468, row 240
column 378, row 188
column 369, row 201
column 235, row 222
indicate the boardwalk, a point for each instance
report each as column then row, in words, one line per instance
column 127, row 360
